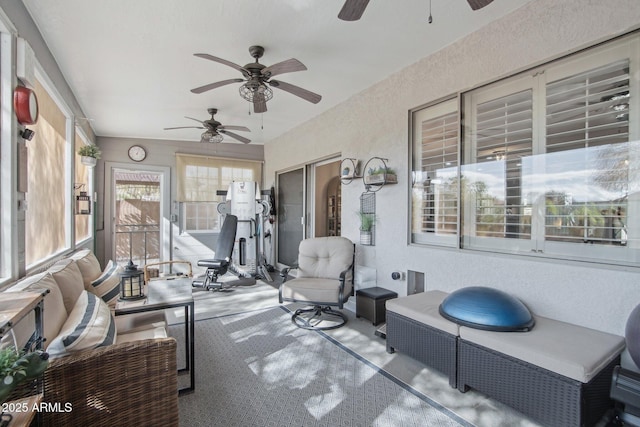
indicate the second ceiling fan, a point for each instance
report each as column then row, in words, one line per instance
column 256, row 78
column 353, row 9
column 214, row 130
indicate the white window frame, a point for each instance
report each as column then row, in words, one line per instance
column 537, row 79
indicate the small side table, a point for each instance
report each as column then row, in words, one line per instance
column 370, row 303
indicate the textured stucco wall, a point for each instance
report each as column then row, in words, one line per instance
column 375, row 123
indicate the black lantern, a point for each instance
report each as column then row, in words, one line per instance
column 131, row 282
column 83, row 204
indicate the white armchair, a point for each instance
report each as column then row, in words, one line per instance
column 324, row 279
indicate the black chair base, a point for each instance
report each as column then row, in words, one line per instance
column 311, row 318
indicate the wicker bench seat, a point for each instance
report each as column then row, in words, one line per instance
column 558, row 374
column 416, row 328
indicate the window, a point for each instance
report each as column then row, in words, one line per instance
column 48, row 207
column 551, row 160
column 199, row 178
column 435, row 183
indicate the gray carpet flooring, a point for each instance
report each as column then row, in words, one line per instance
column 257, row 369
column 239, row 370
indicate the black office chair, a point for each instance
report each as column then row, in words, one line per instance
column 220, row 264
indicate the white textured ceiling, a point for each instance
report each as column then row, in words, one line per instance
column 131, row 66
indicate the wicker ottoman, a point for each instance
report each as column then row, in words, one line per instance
column 558, row 374
column 370, row 303
column 416, row 328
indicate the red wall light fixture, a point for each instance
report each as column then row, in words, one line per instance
column 25, row 104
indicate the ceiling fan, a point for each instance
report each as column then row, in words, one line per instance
column 256, row 78
column 353, row 9
column 214, row 130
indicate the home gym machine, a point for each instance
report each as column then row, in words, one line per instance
column 244, row 200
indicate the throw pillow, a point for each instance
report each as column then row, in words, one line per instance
column 88, row 265
column 90, row 325
column 107, row 286
column 69, row 279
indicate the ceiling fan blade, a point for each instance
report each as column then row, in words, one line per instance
column 191, row 118
column 185, row 127
column 259, row 103
column 235, row 136
column 478, row 4
column 288, row 66
column 231, row 127
column 222, row 61
column 297, row 91
column 353, row 10
column 215, row 85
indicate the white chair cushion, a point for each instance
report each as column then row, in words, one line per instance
column 569, row 350
column 311, row 289
column 90, row 325
column 324, row 257
column 423, row 307
column 88, row 265
column 69, row 280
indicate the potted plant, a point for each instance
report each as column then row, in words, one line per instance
column 381, row 175
column 17, row 367
column 90, row 154
column 367, row 220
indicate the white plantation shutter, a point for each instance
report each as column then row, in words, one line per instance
column 503, row 135
column 435, row 190
column 439, row 155
column 552, row 160
column 587, row 128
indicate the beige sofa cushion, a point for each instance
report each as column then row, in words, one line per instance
column 569, row 350
column 143, row 334
column 55, row 313
column 88, row 265
column 423, row 307
column 69, row 279
column 90, row 325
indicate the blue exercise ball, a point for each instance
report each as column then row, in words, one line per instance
column 486, row 308
column 632, row 335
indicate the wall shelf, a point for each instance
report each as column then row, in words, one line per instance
column 349, row 170
column 377, row 174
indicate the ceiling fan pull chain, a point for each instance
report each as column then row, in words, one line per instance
column 430, row 20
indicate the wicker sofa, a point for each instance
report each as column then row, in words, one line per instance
column 559, row 374
column 109, row 371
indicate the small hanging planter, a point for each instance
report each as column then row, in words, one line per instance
column 88, row 161
column 89, row 154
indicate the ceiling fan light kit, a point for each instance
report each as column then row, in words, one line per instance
column 209, row 136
